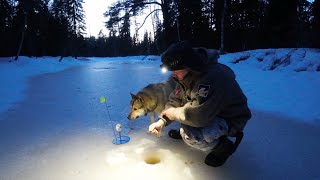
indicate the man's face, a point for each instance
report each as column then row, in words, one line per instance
column 180, row 74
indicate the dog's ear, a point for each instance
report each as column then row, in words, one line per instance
column 140, row 98
column 133, row 96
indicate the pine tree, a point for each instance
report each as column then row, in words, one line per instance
column 244, row 23
column 60, row 28
column 316, row 23
column 4, row 26
column 221, row 21
column 70, row 15
column 303, row 23
column 194, row 25
column 116, row 12
column 76, row 16
column 124, row 35
column 281, row 23
column 37, row 31
column 23, row 10
column 76, row 19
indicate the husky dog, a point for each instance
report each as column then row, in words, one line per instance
column 151, row 99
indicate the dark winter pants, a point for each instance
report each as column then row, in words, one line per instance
column 204, row 138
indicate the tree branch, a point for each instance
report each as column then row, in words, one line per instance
column 146, row 18
column 134, row 7
column 147, row 3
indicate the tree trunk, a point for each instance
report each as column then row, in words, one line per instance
column 74, row 38
column 166, row 23
column 60, row 58
column 22, row 37
column 177, row 21
column 222, row 26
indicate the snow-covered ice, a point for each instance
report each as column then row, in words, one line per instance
column 52, row 125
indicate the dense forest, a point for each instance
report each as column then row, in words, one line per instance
column 57, row 27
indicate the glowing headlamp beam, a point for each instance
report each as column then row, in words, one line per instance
column 164, row 69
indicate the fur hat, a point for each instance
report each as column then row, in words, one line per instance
column 181, row 55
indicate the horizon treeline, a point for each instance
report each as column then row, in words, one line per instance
column 57, row 27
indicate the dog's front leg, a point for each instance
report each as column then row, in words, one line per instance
column 152, row 118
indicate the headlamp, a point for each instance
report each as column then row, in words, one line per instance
column 164, row 68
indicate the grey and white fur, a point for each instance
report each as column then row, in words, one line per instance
column 151, row 99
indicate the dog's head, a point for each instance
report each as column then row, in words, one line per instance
column 137, row 107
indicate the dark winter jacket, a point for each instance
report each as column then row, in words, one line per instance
column 213, row 92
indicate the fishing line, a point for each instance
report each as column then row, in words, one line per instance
column 120, row 139
column 103, row 100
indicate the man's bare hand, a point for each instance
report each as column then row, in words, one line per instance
column 156, row 128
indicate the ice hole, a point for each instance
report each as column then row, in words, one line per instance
column 152, row 158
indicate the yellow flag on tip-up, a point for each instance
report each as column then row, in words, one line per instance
column 102, row 99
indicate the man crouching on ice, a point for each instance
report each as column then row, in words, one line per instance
column 208, row 102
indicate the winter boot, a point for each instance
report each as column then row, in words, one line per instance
column 175, row 134
column 219, row 155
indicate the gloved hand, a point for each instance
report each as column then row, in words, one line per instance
column 156, row 128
